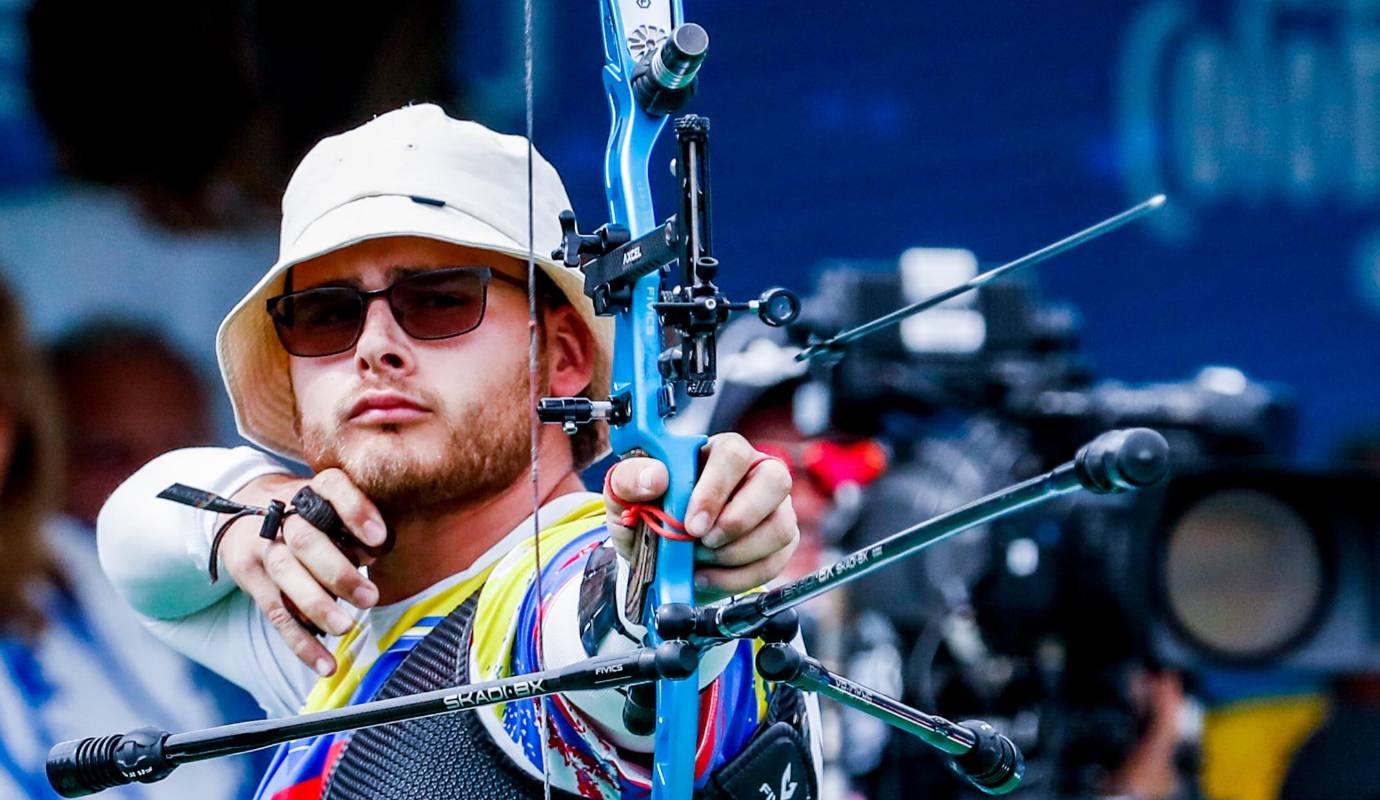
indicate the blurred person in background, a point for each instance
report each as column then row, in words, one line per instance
column 1110, row 733
column 862, row 471
column 1092, row 729
column 759, row 384
column 128, row 395
column 829, row 472
column 66, row 646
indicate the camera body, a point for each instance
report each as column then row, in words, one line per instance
column 1037, row 620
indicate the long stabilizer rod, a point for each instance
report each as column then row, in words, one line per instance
column 833, row 343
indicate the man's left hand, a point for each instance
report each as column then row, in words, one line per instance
column 741, row 515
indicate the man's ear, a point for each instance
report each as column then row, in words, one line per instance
column 569, row 352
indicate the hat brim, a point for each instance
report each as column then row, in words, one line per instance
column 253, row 363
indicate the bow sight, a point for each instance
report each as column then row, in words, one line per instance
column 693, row 310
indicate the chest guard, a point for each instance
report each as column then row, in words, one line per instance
column 453, row 755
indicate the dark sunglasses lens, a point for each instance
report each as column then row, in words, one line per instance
column 319, row 322
column 435, row 305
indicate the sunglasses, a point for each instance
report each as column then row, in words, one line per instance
column 436, row 304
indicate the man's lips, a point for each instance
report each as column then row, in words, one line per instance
column 386, row 408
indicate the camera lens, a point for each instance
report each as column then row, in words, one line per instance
column 1244, row 574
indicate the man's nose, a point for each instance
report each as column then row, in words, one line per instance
column 383, row 345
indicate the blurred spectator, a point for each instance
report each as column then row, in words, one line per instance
column 1102, row 726
column 849, row 491
column 828, row 473
column 1338, row 759
column 126, row 396
column 30, row 468
column 208, row 143
column 823, row 467
column 73, row 661
column 757, row 397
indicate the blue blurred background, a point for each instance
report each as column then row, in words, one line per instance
column 844, row 132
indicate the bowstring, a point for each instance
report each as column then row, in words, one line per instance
column 533, row 383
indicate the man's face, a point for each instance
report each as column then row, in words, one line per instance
column 418, row 423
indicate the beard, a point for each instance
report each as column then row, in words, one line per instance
column 484, row 447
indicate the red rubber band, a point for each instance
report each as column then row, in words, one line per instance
column 766, row 457
column 656, row 518
column 651, row 515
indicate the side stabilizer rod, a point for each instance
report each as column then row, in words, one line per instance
column 976, row 752
column 1116, row 461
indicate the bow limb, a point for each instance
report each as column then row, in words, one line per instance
column 632, row 29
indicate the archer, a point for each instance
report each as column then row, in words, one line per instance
column 388, row 350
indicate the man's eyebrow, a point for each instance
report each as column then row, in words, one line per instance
column 393, row 275
column 353, row 283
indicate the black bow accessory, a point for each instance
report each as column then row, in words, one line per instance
column 310, row 506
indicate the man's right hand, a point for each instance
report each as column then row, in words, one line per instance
column 303, row 564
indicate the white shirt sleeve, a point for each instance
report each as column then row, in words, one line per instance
column 155, row 552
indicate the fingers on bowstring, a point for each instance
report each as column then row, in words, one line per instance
column 327, row 565
column 321, row 556
column 303, row 589
column 355, row 509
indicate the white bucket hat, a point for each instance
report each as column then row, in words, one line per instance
column 410, row 172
